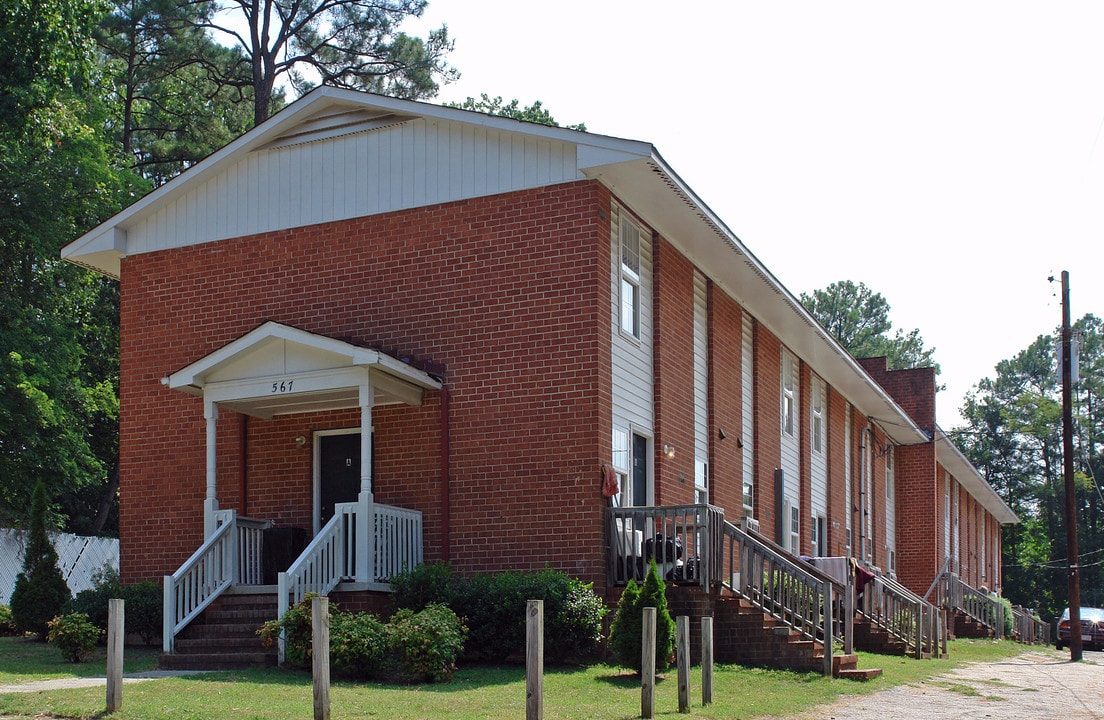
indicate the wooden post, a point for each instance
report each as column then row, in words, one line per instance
column 829, row 634
column 647, row 664
column 682, row 659
column 320, row 667
column 707, row 659
column 115, row 637
column 534, row 660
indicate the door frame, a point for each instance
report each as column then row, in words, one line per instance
column 316, row 472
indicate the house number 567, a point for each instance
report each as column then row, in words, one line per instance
column 282, row 386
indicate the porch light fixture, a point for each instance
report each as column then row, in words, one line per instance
column 669, row 450
column 300, row 442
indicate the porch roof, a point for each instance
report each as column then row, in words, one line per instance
column 277, row 369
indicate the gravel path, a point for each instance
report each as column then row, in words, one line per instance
column 1041, row 684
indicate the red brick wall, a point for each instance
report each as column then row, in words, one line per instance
column 509, row 294
column 838, row 502
column 919, row 518
column 673, row 353
column 725, row 404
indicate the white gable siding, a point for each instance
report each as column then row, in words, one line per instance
column 417, row 163
column 633, row 376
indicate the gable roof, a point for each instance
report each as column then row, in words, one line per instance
column 408, row 154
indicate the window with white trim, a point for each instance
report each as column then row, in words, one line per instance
column 630, row 277
column 817, row 405
column 795, row 530
column 621, row 464
column 789, row 398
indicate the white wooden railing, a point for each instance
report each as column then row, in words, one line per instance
column 231, row 555
column 901, row 613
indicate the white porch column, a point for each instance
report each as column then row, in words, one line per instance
column 210, row 503
column 365, row 522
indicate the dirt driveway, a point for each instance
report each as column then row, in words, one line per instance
column 1039, row 685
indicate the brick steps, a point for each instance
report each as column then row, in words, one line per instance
column 225, row 636
column 745, row 634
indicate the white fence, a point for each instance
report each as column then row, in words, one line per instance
column 79, row 558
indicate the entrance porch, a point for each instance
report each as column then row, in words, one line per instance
column 357, row 543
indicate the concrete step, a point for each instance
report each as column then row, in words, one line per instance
column 859, row 675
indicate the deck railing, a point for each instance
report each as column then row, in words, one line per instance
column 901, row 613
column 1027, row 628
column 231, row 555
column 954, row 594
column 692, row 544
column 682, row 539
column 794, row 593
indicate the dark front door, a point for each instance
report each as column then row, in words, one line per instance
column 338, row 472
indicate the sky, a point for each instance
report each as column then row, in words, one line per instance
column 949, row 155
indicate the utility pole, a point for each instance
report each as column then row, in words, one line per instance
column 1073, row 561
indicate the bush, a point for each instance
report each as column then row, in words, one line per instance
column 74, row 634
column 296, row 625
column 627, row 631
column 412, row 646
column 93, row 601
column 428, row 642
column 145, row 610
column 424, row 584
column 358, row 643
column 7, row 625
column 493, row 608
column 40, row 592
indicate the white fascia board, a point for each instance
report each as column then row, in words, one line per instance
column 962, row 470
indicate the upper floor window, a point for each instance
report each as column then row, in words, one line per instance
column 630, row 277
column 817, row 403
column 789, row 398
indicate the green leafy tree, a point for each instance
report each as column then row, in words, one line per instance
column 858, row 318
column 1013, row 436
column 170, row 111
column 58, row 339
column 535, row 113
column 343, row 43
column 627, row 631
column 40, row 592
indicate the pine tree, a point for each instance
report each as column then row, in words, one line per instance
column 627, row 631
column 40, row 592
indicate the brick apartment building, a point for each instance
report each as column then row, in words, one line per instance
column 487, row 322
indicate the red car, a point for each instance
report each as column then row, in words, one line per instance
column 1092, row 629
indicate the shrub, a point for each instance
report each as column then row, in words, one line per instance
column 40, row 592
column 358, row 643
column 422, row 585
column 7, row 625
column 74, row 634
column 428, row 642
column 627, row 631
column 493, row 608
column 144, row 610
column 93, row 601
column 412, row 646
column 296, row 624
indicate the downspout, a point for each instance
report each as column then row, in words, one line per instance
column 445, row 476
column 243, row 471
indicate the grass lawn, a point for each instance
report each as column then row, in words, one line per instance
column 598, row 691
